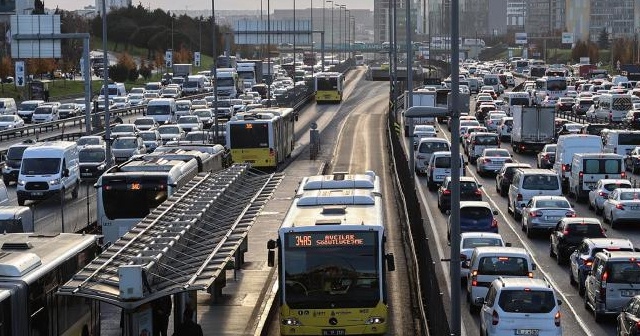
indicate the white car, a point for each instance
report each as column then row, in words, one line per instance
column 601, row 192
column 190, row 123
column 493, row 119
column 124, row 130
column 623, row 205
column 492, row 160
column 171, row 133
column 471, row 240
column 136, row 99
column 423, row 131
column 10, row 121
column 121, row 102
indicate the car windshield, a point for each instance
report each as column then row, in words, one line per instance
column 122, row 129
column 148, row 136
column 475, row 212
column 124, row 143
column 629, row 196
column 540, row 182
column 40, row 166
column 496, row 153
column 486, row 140
column 433, row 146
column 627, row 271
column 67, row 106
column 503, row 265
column 188, row 120
column 470, row 243
column 168, row 130
column 7, row 118
column 614, row 186
column 591, row 230
column 563, row 204
column 88, row 141
column 205, row 114
column 92, row 155
column 523, row 301
column 468, row 185
column 144, row 122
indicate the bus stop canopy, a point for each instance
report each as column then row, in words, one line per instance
column 184, row 244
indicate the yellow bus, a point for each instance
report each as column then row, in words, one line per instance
column 263, row 137
column 331, row 258
column 329, row 87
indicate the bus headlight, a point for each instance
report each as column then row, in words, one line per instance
column 291, row 321
column 374, row 320
column 54, row 182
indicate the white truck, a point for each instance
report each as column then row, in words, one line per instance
column 420, row 97
column 247, row 72
column 227, row 82
column 533, row 127
column 194, row 84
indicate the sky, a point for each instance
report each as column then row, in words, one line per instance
column 206, row 4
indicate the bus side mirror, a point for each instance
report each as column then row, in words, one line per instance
column 271, row 258
column 391, row 263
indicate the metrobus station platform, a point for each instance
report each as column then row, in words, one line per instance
column 205, row 247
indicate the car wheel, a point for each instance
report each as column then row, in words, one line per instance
column 6, row 181
column 572, row 280
column 516, row 215
column 598, row 210
column 503, row 192
column 586, row 301
column 598, row 317
column 522, row 226
column 552, row 254
column 581, row 288
column 590, row 206
column 529, row 232
column 612, row 222
column 20, row 201
column 559, row 258
column 75, row 191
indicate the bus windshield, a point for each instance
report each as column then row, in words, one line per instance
column 132, row 197
column 255, row 135
column 323, row 270
column 327, row 84
column 556, row 84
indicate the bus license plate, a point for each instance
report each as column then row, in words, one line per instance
column 333, row 332
column 527, row 331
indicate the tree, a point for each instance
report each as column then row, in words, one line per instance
column 118, row 73
column 6, row 67
column 603, row 39
column 38, row 7
column 145, row 69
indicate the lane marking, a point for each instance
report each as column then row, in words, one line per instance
column 526, row 245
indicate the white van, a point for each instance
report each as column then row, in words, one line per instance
column 439, row 167
column 515, row 99
column 568, row 145
column 613, row 107
column 621, row 141
column 47, row 169
column 588, row 168
column 529, row 182
column 8, row 106
column 425, row 148
column 479, row 141
column 487, row 263
column 26, row 108
column 114, row 90
column 162, row 110
column 492, row 80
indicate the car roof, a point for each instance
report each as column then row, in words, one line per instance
column 523, row 282
column 501, row 250
column 464, row 235
column 537, row 171
column 604, row 242
column 464, row 179
column 617, row 255
column 517, row 165
column 474, row 204
column 581, row 220
column 549, row 198
column 604, row 181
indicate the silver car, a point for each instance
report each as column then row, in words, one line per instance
column 544, row 212
column 492, row 160
column 470, row 240
column 125, row 147
column 151, row 140
column 623, row 205
column 601, row 192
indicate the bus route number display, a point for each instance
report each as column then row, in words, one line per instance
column 325, row 239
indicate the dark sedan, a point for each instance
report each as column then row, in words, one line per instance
column 505, row 175
column 469, row 191
column 547, row 157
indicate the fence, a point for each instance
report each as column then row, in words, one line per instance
column 431, row 295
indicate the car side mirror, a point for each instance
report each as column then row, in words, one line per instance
column 559, row 302
column 495, row 212
column 466, row 264
column 479, row 301
column 479, row 186
column 534, row 267
column 65, row 172
column 448, row 212
column 508, row 244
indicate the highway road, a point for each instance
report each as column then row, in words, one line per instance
column 576, row 320
column 354, row 139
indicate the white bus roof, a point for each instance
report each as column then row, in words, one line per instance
column 339, row 180
column 155, row 165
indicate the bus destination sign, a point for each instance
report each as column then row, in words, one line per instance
column 333, row 239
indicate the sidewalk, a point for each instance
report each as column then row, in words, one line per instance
column 247, row 298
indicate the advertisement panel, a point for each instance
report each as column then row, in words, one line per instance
column 521, row 38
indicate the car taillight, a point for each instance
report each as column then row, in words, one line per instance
column 566, row 168
column 463, row 257
column 587, row 262
column 620, row 206
column 446, row 192
column 519, row 198
column 530, row 274
column 556, row 319
column 623, row 174
column 486, row 160
column 603, row 287
column 570, row 214
column 495, row 318
column 474, row 278
column 580, row 174
column 565, row 232
column 494, row 223
column 603, row 194
column 272, row 152
column 546, row 157
column 535, row 214
column 478, row 192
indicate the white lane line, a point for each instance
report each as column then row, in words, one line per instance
column 526, row 245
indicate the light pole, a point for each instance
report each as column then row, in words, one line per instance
column 347, row 15
column 340, row 7
column 294, row 40
column 332, row 51
column 214, row 54
column 312, row 53
column 323, row 34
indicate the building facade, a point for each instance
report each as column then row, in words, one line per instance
column 516, row 14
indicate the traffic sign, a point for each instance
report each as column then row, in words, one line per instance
column 168, row 58
column 196, row 58
column 20, row 80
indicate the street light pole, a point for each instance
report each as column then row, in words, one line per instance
column 340, row 7
column 294, row 40
column 332, row 48
column 323, row 34
column 214, row 53
column 347, row 14
column 312, row 52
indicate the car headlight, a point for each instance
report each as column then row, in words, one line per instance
column 22, row 182
column 54, row 182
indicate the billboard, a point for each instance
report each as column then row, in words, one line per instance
column 277, row 32
column 35, row 25
column 521, row 38
column 567, row 38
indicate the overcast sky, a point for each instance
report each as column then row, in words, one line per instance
column 206, row 4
